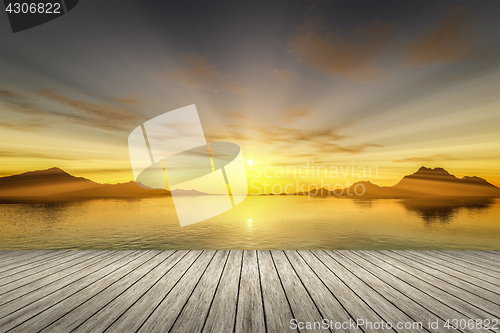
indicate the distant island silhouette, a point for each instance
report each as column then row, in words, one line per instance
column 55, row 184
column 426, row 182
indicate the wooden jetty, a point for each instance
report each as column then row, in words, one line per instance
column 249, row 291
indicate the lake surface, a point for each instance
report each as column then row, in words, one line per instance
column 259, row 222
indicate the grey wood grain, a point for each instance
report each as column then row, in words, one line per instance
column 276, row 307
column 488, row 255
column 88, row 288
column 28, row 260
column 461, row 269
column 390, row 288
column 77, row 292
column 43, row 269
column 241, row 291
column 12, row 255
column 415, row 289
column 428, row 275
column 376, row 298
column 356, row 306
column 301, row 303
column 107, row 314
column 132, row 319
column 89, row 311
column 25, row 308
column 495, row 253
column 250, row 309
column 193, row 315
column 222, row 312
column 52, row 276
column 163, row 316
column 325, row 301
column 472, row 260
column 445, row 274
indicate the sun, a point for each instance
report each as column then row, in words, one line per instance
column 250, row 162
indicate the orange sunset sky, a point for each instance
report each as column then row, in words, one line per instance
column 391, row 85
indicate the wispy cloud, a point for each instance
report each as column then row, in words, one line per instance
column 97, row 115
column 126, row 101
column 424, row 159
column 294, row 141
column 350, row 54
column 354, row 53
column 197, row 73
column 327, row 148
column 34, row 155
column 449, row 40
column 92, row 113
column 283, row 76
column 7, row 93
column 19, row 102
column 290, row 115
column 25, row 126
column 237, row 117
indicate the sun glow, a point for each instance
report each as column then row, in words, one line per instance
column 250, row 162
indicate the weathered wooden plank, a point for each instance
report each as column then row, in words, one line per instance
column 276, row 308
column 222, row 312
column 493, row 256
column 193, row 315
column 44, row 269
column 460, row 268
column 138, row 313
column 427, row 274
column 163, row 316
column 329, row 307
column 495, row 253
column 389, row 288
column 10, row 255
column 478, row 263
column 118, row 291
column 75, row 320
column 25, row 308
column 250, row 309
column 34, row 258
column 377, row 299
column 355, row 305
column 418, row 292
column 301, row 303
column 77, row 292
column 107, row 314
column 443, row 273
column 64, row 309
column 26, row 286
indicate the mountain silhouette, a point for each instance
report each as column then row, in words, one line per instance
column 426, row 182
column 55, row 184
column 439, row 182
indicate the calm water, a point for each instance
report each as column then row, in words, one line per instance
column 257, row 223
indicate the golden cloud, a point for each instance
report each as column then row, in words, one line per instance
column 97, row 115
column 351, row 54
column 292, row 114
column 94, row 114
column 450, row 40
column 283, row 76
column 197, row 73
